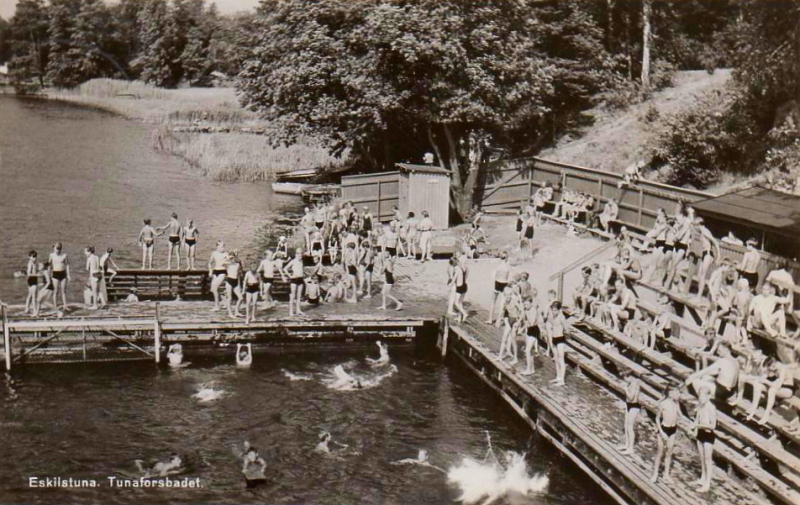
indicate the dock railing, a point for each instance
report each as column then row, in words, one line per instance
column 578, row 263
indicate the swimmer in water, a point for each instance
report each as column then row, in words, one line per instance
column 162, row 469
column 345, row 379
column 326, row 438
column 384, row 356
column 147, row 239
column 175, row 355
column 253, row 467
column 244, row 354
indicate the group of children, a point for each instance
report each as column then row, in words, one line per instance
column 327, row 229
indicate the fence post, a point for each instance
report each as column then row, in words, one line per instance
column 157, row 333
column 641, row 205
column 379, row 201
column 530, row 184
column 6, row 338
column 561, row 287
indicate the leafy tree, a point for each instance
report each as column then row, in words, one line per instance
column 196, row 58
column 382, row 80
column 158, row 61
column 5, row 40
column 76, row 37
column 29, row 46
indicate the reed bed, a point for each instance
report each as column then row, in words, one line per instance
column 226, row 157
column 240, row 157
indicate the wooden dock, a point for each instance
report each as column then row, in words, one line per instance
column 584, row 420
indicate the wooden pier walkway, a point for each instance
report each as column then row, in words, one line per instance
column 584, row 420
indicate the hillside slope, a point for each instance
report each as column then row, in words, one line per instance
column 618, row 138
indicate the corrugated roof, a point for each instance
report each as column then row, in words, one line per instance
column 422, row 168
column 757, row 206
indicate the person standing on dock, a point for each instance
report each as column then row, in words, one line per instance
column 59, row 273
column 425, row 228
column 388, row 284
column 147, row 239
column 710, row 255
column 296, row 282
column 556, row 329
column 252, row 287
column 748, row 267
column 190, row 235
column 95, row 274
column 216, row 271
column 175, row 231
column 350, row 260
column 705, row 422
column 411, row 236
column 32, row 300
column 669, row 412
column 233, row 274
column 460, row 287
column 529, row 225
column 501, row 275
column 512, row 312
column 534, row 320
column 48, row 291
column 632, row 409
column 366, row 265
column 266, row 270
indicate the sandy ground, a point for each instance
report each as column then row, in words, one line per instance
column 552, row 251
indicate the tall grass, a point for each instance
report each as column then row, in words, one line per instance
column 137, row 100
column 240, row 157
column 219, row 156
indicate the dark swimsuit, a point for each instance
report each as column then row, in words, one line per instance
column 559, row 340
column 252, row 288
column 519, row 225
column 175, row 239
column 33, row 280
column 389, row 277
column 232, row 282
column 499, row 286
column 633, row 405
column 59, row 275
column 218, row 272
column 297, row 280
column 191, row 241
column 533, row 331
column 669, row 430
column 529, row 232
column 705, row 435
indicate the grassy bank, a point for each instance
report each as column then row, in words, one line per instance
column 229, row 156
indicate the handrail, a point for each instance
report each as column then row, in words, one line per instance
column 583, row 259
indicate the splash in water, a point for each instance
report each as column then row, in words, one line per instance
column 298, row 376
column 207, row 394
column 486, row 481
column 383, row 359
column 343, row 381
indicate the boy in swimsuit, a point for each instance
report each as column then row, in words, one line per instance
column 411, row 235
column 501, row 276
column 388, row 284
column 147, row 239
column 767, row 311
column 460, row 287
column 95, row 275
column 556, row 330
column 217, row 270
column 366, row 265
column 313, row 290
column 175, row 231
column 297, row 282
column 233, row 274
column 252, row 287
column 748, row 267
column 721, row 378
column 47, row 291
column 266, row 271
column 425, row 228
column 161, row 469
column 666, row 427
column 32, row 300
column 705, row 422
column 59, row 273
column 512, row 312
column 779, row 381
column 632, row 408
column 710, row 247
column 534, row 320
column 190, row 235
column 350, row 259
column 626, row 308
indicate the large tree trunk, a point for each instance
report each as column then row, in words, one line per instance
column 647, row 11
column 610, row 25
column 456, row 180
column 629, row 43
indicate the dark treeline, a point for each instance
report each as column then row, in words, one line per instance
column 66, row 42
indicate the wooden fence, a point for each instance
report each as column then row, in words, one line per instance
column 510, row 183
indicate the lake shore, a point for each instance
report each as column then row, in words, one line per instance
column 206, row 127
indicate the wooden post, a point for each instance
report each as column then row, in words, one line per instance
column 157, row 333
column 83, row 336
column 599, row 189
column 561, row 287
column 445, row 333
column 530, row 184
column 6, row 339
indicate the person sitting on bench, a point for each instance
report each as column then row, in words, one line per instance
column 721, row 377
column 767, row 312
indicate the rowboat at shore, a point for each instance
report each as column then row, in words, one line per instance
column 289, row 188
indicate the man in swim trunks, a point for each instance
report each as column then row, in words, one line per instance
column 59, row 273
column 533, row 321
column 350, row 261
column 501, row 276
column 633, row 387
column 710, row 248
column 296, row 282
column 705, row 422
column 767, row 311
column 175, row 231
column 233, row 274
column 190, row 235
column 95, row 275
column 625, row 308
column 669, row 413
column 32, row 273
column 147, row 238
column 748, row 267
column 217, row 270
column 266, row 270
column 388, row 283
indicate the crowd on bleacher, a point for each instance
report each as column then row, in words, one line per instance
column 744, row 357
